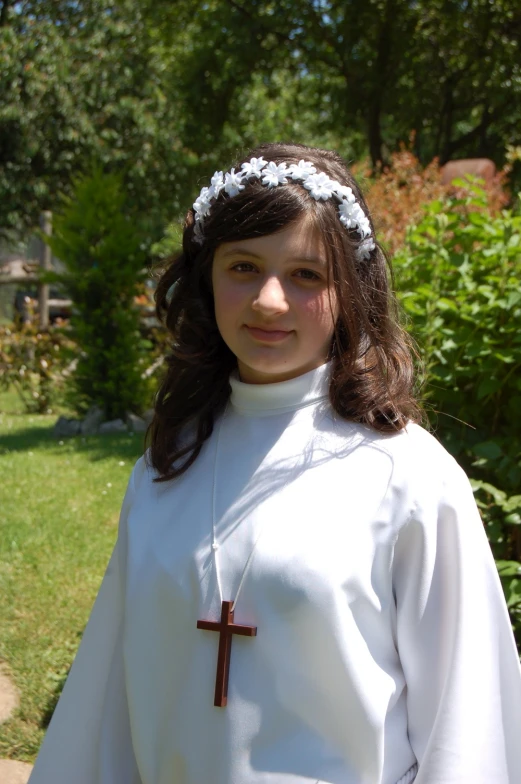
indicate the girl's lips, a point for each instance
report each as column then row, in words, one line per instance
column 268, row 335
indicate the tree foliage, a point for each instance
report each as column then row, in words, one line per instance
column 378, row 68
column 164, row 91
column 81, row 84
column 99, row 241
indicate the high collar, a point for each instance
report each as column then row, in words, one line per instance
column 282, row 396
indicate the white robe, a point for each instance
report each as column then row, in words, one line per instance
column 384, row 651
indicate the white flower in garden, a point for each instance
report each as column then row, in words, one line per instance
column 274, row 174
column 365, row 248
column 301, row 170
column 202, row 203
column 319, row 185
column 233, row 183
column 253, row 167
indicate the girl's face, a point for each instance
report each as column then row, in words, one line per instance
column 273, row 306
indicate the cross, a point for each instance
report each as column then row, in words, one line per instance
column 226, row 628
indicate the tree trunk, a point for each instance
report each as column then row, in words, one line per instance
column 479, row 133
column 375, row 134
column 4, row 12
column 380, row 82
column 445, row 151
column 483, row 146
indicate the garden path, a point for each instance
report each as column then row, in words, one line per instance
column 11, row 771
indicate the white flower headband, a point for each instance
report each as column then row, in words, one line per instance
column 271, row 174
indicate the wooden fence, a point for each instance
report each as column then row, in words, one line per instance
column 33, row 273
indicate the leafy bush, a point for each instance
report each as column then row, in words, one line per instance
column 99, row 242
column 397, row 194
column 458, row 281
column 37, row 365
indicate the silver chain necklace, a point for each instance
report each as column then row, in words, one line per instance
column 226, row 626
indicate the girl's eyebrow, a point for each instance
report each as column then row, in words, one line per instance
column 240, row 252
column 301, row 259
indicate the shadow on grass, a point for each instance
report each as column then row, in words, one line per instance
column 96, row 447
column 55, row 694
column 52, row 702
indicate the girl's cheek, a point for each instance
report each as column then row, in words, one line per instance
column 318, row 307
column 228, row 295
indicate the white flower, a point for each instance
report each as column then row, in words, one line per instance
column 202, row 203
column 364, row 227
column 301, row 170
column 253, row 167
column 274, row 174
column 233, row 183
column 351, row 214
column 345, row 192
column 217, row 184
column 319, row 185
column 363, row 251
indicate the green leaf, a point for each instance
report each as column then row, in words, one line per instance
column 498, row 495
column 488, row 449
column 509, row 568
column 487, row 387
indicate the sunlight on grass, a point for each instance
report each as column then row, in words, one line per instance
column 59, row 504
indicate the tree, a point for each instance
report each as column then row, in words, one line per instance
column 99, row 239
column 82, row 84
column 165, row 90
column 379, row 68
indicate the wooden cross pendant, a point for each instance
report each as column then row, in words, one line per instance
column 226, row 628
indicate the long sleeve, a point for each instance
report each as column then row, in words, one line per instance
column 89, row 740
column 455, row 640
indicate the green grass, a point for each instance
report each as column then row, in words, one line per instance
column 59, row 507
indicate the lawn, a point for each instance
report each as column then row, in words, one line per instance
column 59, row 502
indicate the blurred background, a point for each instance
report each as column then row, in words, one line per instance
column 112, row 117
column 164, row 92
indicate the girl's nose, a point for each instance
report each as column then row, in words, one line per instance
column 271, row 297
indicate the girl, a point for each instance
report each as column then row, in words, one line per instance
column 302, row 589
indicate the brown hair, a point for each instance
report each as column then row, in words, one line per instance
column 372, row 369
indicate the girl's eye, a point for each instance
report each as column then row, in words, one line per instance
column 243, row 266
column 307, row 274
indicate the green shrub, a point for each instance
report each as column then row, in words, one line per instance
column 37, row 365
column 458, row 278
column 99, row 242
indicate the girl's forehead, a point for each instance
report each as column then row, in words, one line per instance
column 300, row 239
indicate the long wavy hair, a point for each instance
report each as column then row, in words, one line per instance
column 372, row 377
